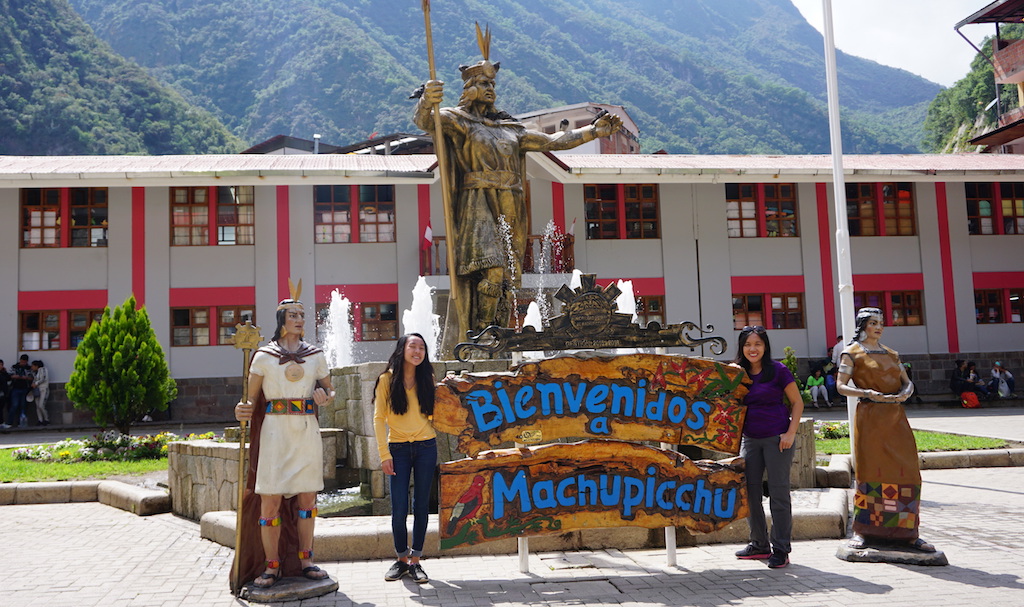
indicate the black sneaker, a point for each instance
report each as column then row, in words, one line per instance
column 753, row 552
column 397, row 571
column 778, row 560
column 418, row 575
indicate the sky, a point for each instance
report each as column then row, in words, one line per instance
column 916, row 35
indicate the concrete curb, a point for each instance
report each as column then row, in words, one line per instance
column 130, row 498
column 369, row 537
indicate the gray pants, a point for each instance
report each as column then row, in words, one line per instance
column 763, row 454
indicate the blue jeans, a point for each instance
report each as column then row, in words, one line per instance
column 763, row 454
column 416, row 460
column 17, row 406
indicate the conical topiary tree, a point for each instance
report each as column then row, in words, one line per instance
column 120, row 371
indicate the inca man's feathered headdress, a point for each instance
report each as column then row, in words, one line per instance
column 485, row 67
column 293, row 302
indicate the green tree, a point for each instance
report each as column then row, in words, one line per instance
column 120, row 371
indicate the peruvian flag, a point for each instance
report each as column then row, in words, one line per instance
column 428, row 238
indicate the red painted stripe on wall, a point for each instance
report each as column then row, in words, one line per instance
column 888, row 282
column 95, row 299
column 385, row 292
column 284, row 259
column 946, row 258
column 641, row 286
column 998, row 280
column 828, row 283
column 768, row 284
column 211, row 296
column 558, row 205
column 138, row 246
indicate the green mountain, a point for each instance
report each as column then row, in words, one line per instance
column 63, row 91
column 698, row 76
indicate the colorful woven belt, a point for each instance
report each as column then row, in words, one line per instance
column 291, row 406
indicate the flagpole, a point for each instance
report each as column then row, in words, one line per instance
column 843, row 263
column 442, row 162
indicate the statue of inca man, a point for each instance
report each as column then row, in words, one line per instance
column 485, row 151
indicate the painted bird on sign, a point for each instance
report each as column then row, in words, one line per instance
column 467, row 505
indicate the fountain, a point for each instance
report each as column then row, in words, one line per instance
column 626, row 301
column 534, row 318
column 336, row 337
column 420, row 317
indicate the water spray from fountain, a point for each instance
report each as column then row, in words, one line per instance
column 420, row 318
column 338, row 342
column 505, row 230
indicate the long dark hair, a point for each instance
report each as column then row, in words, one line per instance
column 424, row 378
column 282, row 315
column 767, row 366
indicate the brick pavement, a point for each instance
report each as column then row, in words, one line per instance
column 88, row 554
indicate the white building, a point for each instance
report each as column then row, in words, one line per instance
column 937, row 241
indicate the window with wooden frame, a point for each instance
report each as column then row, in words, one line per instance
column 190, row 326
column 1011, row 207
column 787, row 311
column 88, row 217
column 228, row 317
column 378, row 321
column 899, row 308
column 988, row 306
column 376, row 213
column 979, row 208
column 40, row 217
column 650, row 308
column 622, row 211
column 334, row 220
column 905, row 308
column 880, row 209
column 747, row 311
column 79, row 322
column 236, row 215
column 40, row 330
column 601, row 204
column 760, row 209
column 1016, row 299
column 190, row 216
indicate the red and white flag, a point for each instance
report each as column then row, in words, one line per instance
column 572, row 227
column 428, row 238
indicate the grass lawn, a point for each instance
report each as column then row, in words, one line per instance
column 19, row 471
column 926, row 441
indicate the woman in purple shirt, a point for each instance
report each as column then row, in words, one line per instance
column 768, row 435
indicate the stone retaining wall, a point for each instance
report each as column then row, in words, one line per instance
column 202, row 475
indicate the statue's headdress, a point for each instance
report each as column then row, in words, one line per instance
column 485, row 67
column 292, row 303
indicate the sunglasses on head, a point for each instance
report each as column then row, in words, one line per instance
column 749, row 328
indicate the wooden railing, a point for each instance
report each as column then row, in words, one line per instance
column 434, row 262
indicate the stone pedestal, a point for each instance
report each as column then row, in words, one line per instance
column 289, row 589
column 890, row 553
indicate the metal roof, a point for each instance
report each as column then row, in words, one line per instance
column 256, row 169
column 243, row 169
column 1001, row 11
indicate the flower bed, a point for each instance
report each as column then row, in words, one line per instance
column 110, row 445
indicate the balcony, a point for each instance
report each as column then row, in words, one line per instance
column 434, row 261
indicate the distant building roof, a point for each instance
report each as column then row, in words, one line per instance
column 396, row 143
column 287, row 142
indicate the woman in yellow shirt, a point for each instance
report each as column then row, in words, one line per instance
column 403, row 406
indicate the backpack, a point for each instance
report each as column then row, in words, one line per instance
column 970, row 400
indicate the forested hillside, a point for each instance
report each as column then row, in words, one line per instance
column 698, row 76
column 63, row 91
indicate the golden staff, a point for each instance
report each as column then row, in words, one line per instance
column 246, row 338
column 442, row 161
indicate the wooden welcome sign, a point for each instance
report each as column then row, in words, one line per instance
column 595, row 483
column 642, row 397
column 598, row 483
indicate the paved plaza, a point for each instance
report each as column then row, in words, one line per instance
column 89, row 554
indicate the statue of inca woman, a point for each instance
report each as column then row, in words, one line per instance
column 888, row 497
column 486, row 150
